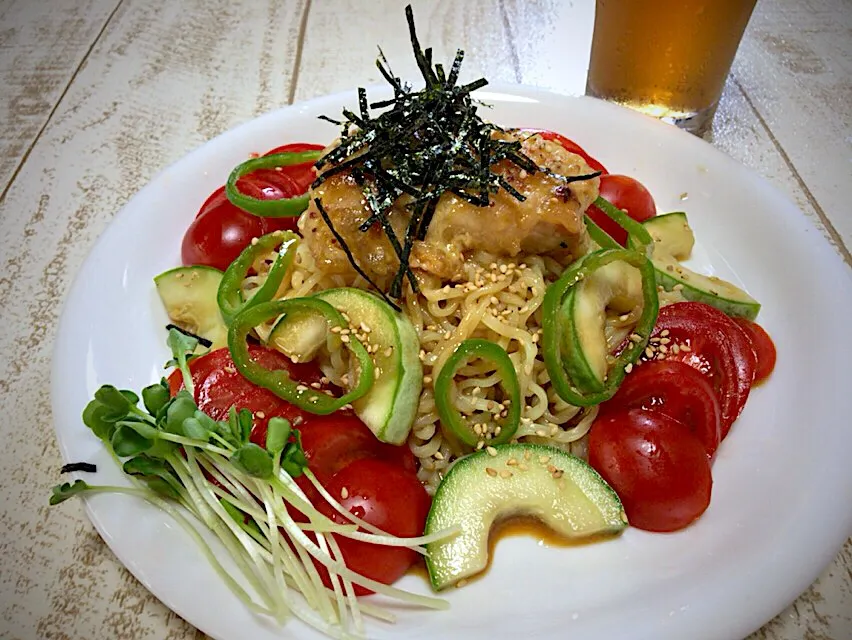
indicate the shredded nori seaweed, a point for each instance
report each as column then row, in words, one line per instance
column 88, row 467
column 426, row 143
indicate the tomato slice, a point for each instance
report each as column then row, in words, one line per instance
column 222, row 230
column 659, row 469
column 219, row 386
column 677, row 390
column 388, row 497
column 302, row 175
column 627, row 194
column 333, row 442
column 569, row 145
column 764, row 348
column 716, row 346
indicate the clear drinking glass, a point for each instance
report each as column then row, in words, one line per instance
column 666, row 58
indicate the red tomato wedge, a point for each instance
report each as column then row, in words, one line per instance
column 222, row 230
column 333, row 442
column 219, row 386
column 380, row 479
column 716, row 346
column 659, row 469
column 764, row 348
column 676, row 390
column 569, row 145
column 388, row 497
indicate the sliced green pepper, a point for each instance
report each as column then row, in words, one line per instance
column 282, row 208
column 552, row 320
column 452, row 417
column 279, row 381
column 230, row 294
column 601, row 237
column 640, row 239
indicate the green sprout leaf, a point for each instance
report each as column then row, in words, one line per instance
column 130, row 396
column 100, row 419
column 126, row 442
column 192, row 428
column 182, row 347
column 277, row 435
column 156, row 473
column 155, row 397
column 294, row 462
column 144, row 429
column 114, row 400
column 61, row 492
column 180, row 409
column 254, row 460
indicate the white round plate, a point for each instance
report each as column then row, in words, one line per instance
column 782, row 479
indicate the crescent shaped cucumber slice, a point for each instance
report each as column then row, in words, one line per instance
column 189, row 296
column 559, row 489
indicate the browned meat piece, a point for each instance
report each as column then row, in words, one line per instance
column 549, row 221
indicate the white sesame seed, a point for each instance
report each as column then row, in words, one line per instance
column 344, row 493
column 628, row 368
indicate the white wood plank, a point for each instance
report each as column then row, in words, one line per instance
column 164, row 77
column 41, row 46
column 358, row 27
column 795, row 65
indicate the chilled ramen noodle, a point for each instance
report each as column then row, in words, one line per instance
column 499, row 300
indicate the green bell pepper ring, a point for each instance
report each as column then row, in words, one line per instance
column 452, row 417
column 640, row 239
column 230, row 295
column 552, row 320
column 601, row 237
column 283, row 208
column 279, row 381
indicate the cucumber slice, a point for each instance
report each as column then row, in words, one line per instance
column 673, row 241
column 189, row 296
column 559, row 489
column 617, row 286
column 711, row 290
column 299, row 336
column 390, row 406
column 388, row 409
column 671, row 234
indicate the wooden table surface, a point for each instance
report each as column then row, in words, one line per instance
column 99, row 95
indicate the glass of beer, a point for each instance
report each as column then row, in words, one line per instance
column 666, row 58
